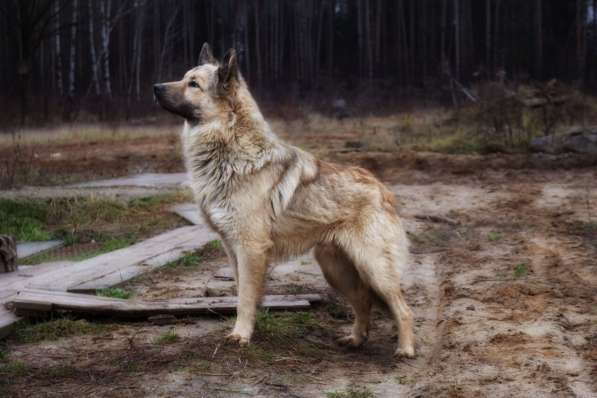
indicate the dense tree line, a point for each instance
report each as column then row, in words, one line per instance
column 104, row 52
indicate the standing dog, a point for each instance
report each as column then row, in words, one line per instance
column 269, row 200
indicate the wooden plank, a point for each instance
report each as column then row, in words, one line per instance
column 28, row 301
column 120, row 265
column 28, row 249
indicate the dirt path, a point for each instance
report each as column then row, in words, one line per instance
column 505, row 303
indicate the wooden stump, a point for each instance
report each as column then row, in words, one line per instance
column 8, row 254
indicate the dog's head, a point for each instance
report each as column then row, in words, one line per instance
column 205, row 91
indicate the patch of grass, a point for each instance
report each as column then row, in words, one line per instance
column 60, row 371
column 198, row 366
column 148, row 202
column 3, row 355
column 24, row 219
column 256, row 353
column 27, row 332
column 102, row 224
column 118, row 243
column 520, row 270
column 494, row 236
column 337, row 310
column 211, row 250
column 131, row 367
column 283, row 325
column 583, row 227
column 114, row 292
column 402, row 379
column 12, row 369
column 169, row 337
column 189, row 260
column 213, row 245
column 351, row 392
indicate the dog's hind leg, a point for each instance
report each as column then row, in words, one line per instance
column 378, row 262
column 341, row 274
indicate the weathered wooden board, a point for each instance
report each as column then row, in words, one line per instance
column 26, row 249
column 28, row 301
column 188, row 211
column 120, row 265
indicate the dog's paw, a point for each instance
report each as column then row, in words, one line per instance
column 235, row 338
column 351, row 341
column 408, row 352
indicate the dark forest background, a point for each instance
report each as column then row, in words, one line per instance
column 97, row 59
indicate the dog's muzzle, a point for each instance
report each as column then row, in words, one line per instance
column 158, row 89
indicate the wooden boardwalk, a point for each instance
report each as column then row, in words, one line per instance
column 43, row 301
column 102, row 271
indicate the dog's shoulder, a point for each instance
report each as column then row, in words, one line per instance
column 297, row 169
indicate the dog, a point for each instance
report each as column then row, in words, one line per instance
column 270, row 201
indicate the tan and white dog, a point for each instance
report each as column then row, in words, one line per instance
column 269, row 200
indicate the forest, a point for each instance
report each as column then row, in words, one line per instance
column 72, row 59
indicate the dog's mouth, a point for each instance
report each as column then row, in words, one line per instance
column 172, row 104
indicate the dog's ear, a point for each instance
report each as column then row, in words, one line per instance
column 228, row 71
column 205, row 56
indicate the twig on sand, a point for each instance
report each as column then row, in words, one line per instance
column 215, row 351
column 436, row 219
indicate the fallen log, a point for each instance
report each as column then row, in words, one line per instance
column 28, row 302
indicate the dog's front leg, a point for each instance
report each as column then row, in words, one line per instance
column 252, row 267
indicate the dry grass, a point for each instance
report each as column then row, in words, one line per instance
column 86, row 133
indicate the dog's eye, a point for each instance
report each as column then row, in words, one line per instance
column 193, row 84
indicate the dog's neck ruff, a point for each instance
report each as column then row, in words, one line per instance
column 218, row 154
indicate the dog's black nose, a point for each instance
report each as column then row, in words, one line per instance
column 157, row 89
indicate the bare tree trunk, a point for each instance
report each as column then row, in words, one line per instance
column 539, row 38
column 457, row 38
column 580, row 40
column 166, row 41
column 59, row 81
column 73, row 48
column 106, row 10
column 92, row 52
column 368, row 44
column 332, row 6
column 497, row 60
column 488, row 35
column 257, row 43
column 139, row 51
column 360, row 36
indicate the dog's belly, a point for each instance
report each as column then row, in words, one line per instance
column 293, row 236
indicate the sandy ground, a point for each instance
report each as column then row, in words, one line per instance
column 503, row 283
column 504, row 293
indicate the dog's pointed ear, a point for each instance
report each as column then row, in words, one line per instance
column 228, row 71
column 205, row 56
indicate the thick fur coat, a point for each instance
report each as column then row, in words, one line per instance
column 269, row 200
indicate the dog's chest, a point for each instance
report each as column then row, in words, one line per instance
column 219, row 218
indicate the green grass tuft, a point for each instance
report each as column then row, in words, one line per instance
column 189, row 260
column 494, row 236
column 148, row 202
column 169, row 337
column 26, row 332
column 213, row 245
column 351, row 392
column 520, row 270
column 24, row 219
column 13, row 369
column 283, row 325
column 114, row 292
